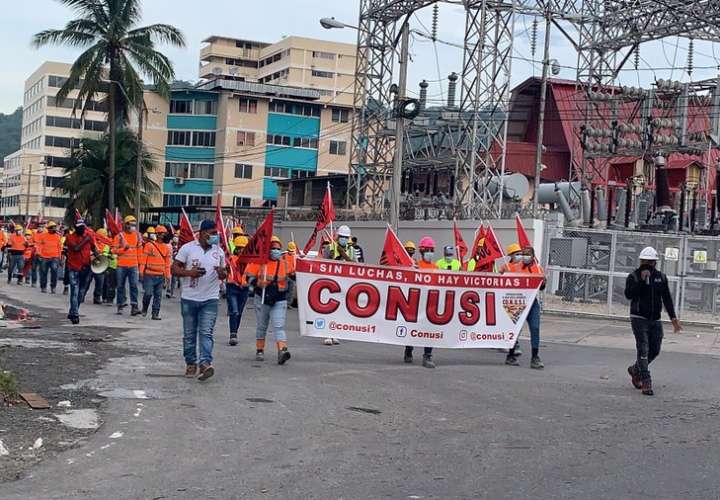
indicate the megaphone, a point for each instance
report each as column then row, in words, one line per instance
column 99, row 264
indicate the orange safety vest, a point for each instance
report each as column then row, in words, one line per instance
column 49, row 245
column 17, row 243
column 29, row 250
column 155, row 259
column 239, row 277
column 129, row 257
column 520, row 268
column 426, row 265
column 265, row 273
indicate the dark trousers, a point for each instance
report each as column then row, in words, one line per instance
column 236, row 297
column 648, row 340
column 109, row 286
column 427, row 351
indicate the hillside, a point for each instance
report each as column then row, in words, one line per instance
column 10, row 128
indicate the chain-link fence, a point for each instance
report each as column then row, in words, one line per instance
column 586, row 271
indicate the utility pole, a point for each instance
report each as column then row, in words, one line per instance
column 399, row 129
column 27, row 202
column 44, row 198
column 138, row 172
column 541, row 115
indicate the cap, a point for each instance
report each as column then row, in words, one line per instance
column 207, row 225
column 240, row 242
column 514, row 248
column 52, row 223
column 410, row 244
column 28, row 232
column 129, row 218
column 344, row 231
column 160, row 229
column 150, row 230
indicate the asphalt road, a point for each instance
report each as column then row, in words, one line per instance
column 353, row 422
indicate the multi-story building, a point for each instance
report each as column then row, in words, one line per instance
column 49, row 131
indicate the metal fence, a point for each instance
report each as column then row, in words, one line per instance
column 586, row 271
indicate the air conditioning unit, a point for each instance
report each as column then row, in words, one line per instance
column 179, row 181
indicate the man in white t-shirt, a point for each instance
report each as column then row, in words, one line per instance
column 201, row 266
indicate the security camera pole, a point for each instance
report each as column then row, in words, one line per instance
column 541, row 115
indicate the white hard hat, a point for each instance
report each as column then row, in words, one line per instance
column 648, row 253
column 344, row 231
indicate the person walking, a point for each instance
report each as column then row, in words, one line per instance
column 269, row 284
column 128, row 246
column 28, row 257
column 80, row 248
column 410, row 248
column 16, row 254
column 237, row 289
column 103, row 248
column 35, row 270
column 647, row 290
column 449, row 262
column 425, row 263
column 292, row 252
column 154, row 271
column 4, row 240
column 201, row 265
column 342, row 249
column 49, row 251
column 359, row 252
column 523, row 261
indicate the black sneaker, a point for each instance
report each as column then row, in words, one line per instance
column 536, row 363
column 634, row 377
column 65, row 290
column 156, row 317
column 233, row 339
column 43, row 290
column 259, row 355
column 511, row 360
column 144, row 313
column 408, row 358
column 283, row 356
column 647, row 389
column 135, row 311
column 52, row 291
column 428, row 362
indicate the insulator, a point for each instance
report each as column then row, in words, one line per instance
column 533, row 36
column 690, row 56
column 436, row 13
column 636, row 61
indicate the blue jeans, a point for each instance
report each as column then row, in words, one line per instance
column 78, row 284
column 236, row 298
column 152, row 290
column 52, row 266
column 533, row 321
column 35, row 268
column 273, row 315
column 16, row 266
column 129, row 274
column 198, row 321
column 99, row 280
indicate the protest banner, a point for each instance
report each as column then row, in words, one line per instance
column 404, row 306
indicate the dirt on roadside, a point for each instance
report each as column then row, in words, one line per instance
column 58, row 361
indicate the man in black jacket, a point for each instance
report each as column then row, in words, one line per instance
column 648, row 290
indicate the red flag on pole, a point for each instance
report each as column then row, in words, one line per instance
column 220, row 224
column 462, row 248
column 522, row 236
column 326, row 216
column 112, row 225
column 478, row 242
column 186, row 233
column 394, row 253
column 489, row 252
column 258, row 249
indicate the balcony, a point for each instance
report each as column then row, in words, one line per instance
column 224, row 50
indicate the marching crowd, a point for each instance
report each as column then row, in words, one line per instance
column 116, row 264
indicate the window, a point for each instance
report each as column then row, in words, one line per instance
column 245, row 63
column 248, row 105
column 56, row 81
column 294, row 108
column 203, row 139
column 323, row 55
column 276, row 172
column 62, row 142
column 174, row 200
column 243, row 171
column 301, row 174
column 199, row 201
column 338, row 148
column 181, row 107
column 242, row 202
column 340, row 115
column 201, row 171
column 70, row 103
column 56, row 201
column 205, row 107
column 53, row 182
column 179, row 137
column 322, row 74
column 245, row 138
column 173, row 169
column 58, row 161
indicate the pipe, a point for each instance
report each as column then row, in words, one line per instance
column 452, row 89
column 601, row 206
column 585, row 205
column 547, row 191
column 628, row 202
column 423, row 95
column 592, row 206
column 692, row 212
column 662, row 187
column 609, row 208
column 566, row 210
column 681, row 215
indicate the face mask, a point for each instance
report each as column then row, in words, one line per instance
column 527, row 259
column 428, row 256
column 275, row 254
column 516, row 258
column 343, row 241
column 448, row 258
column 411, row 252
column 213, row 239
column 153, row 236
column 131, row 229
column 19, row 232
column 52, row 230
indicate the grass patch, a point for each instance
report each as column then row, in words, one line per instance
column 9, row 387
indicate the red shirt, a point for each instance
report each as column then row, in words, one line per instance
column 76, row 261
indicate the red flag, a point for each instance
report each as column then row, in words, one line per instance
column 78, row 216
column 220, row 224
column 522, row 236
column 479, row 239
column 258, row 249
column 326, row 216
column 462, row 248
column 112, row 225
column 394, row 253
column 489, row 252
column 186, row 233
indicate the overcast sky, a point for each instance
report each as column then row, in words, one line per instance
column 269, row 20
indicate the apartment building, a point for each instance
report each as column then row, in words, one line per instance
column 32, row 174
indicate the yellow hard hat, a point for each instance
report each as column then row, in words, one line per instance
column 292, row 246
column 52, row 223
column 238, row 230
column 129, row 218
column 410, row 244
column 275, row 239
column 150, row 230
column 513, row 249
column 102, row 231
column 28, row 232
column 240, row 242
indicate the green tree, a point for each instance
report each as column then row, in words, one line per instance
column 10, row 129
column 87, row 173
column 114, row 48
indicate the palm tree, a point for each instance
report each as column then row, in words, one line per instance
column 87, row 173
column 114, row 48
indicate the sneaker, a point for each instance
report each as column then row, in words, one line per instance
column 135, row 311
column 634, row 377
column 647, row 389
column 233, row 339
column 518, row 352
column 65, row 290
column 283, row 356
column 52, row 291
column 259, row 356
column 511, row 360
column 536, row 363
column 428, row 362
column 120, row 310
column 191, row 371
column 206, row 371
column 408, row 358
column 335, row 342
column 327, row 341
column 156, row 317
column 33, row 285
column 43, row 290
column 97, row 302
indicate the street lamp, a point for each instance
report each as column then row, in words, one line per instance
column 331, row 23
